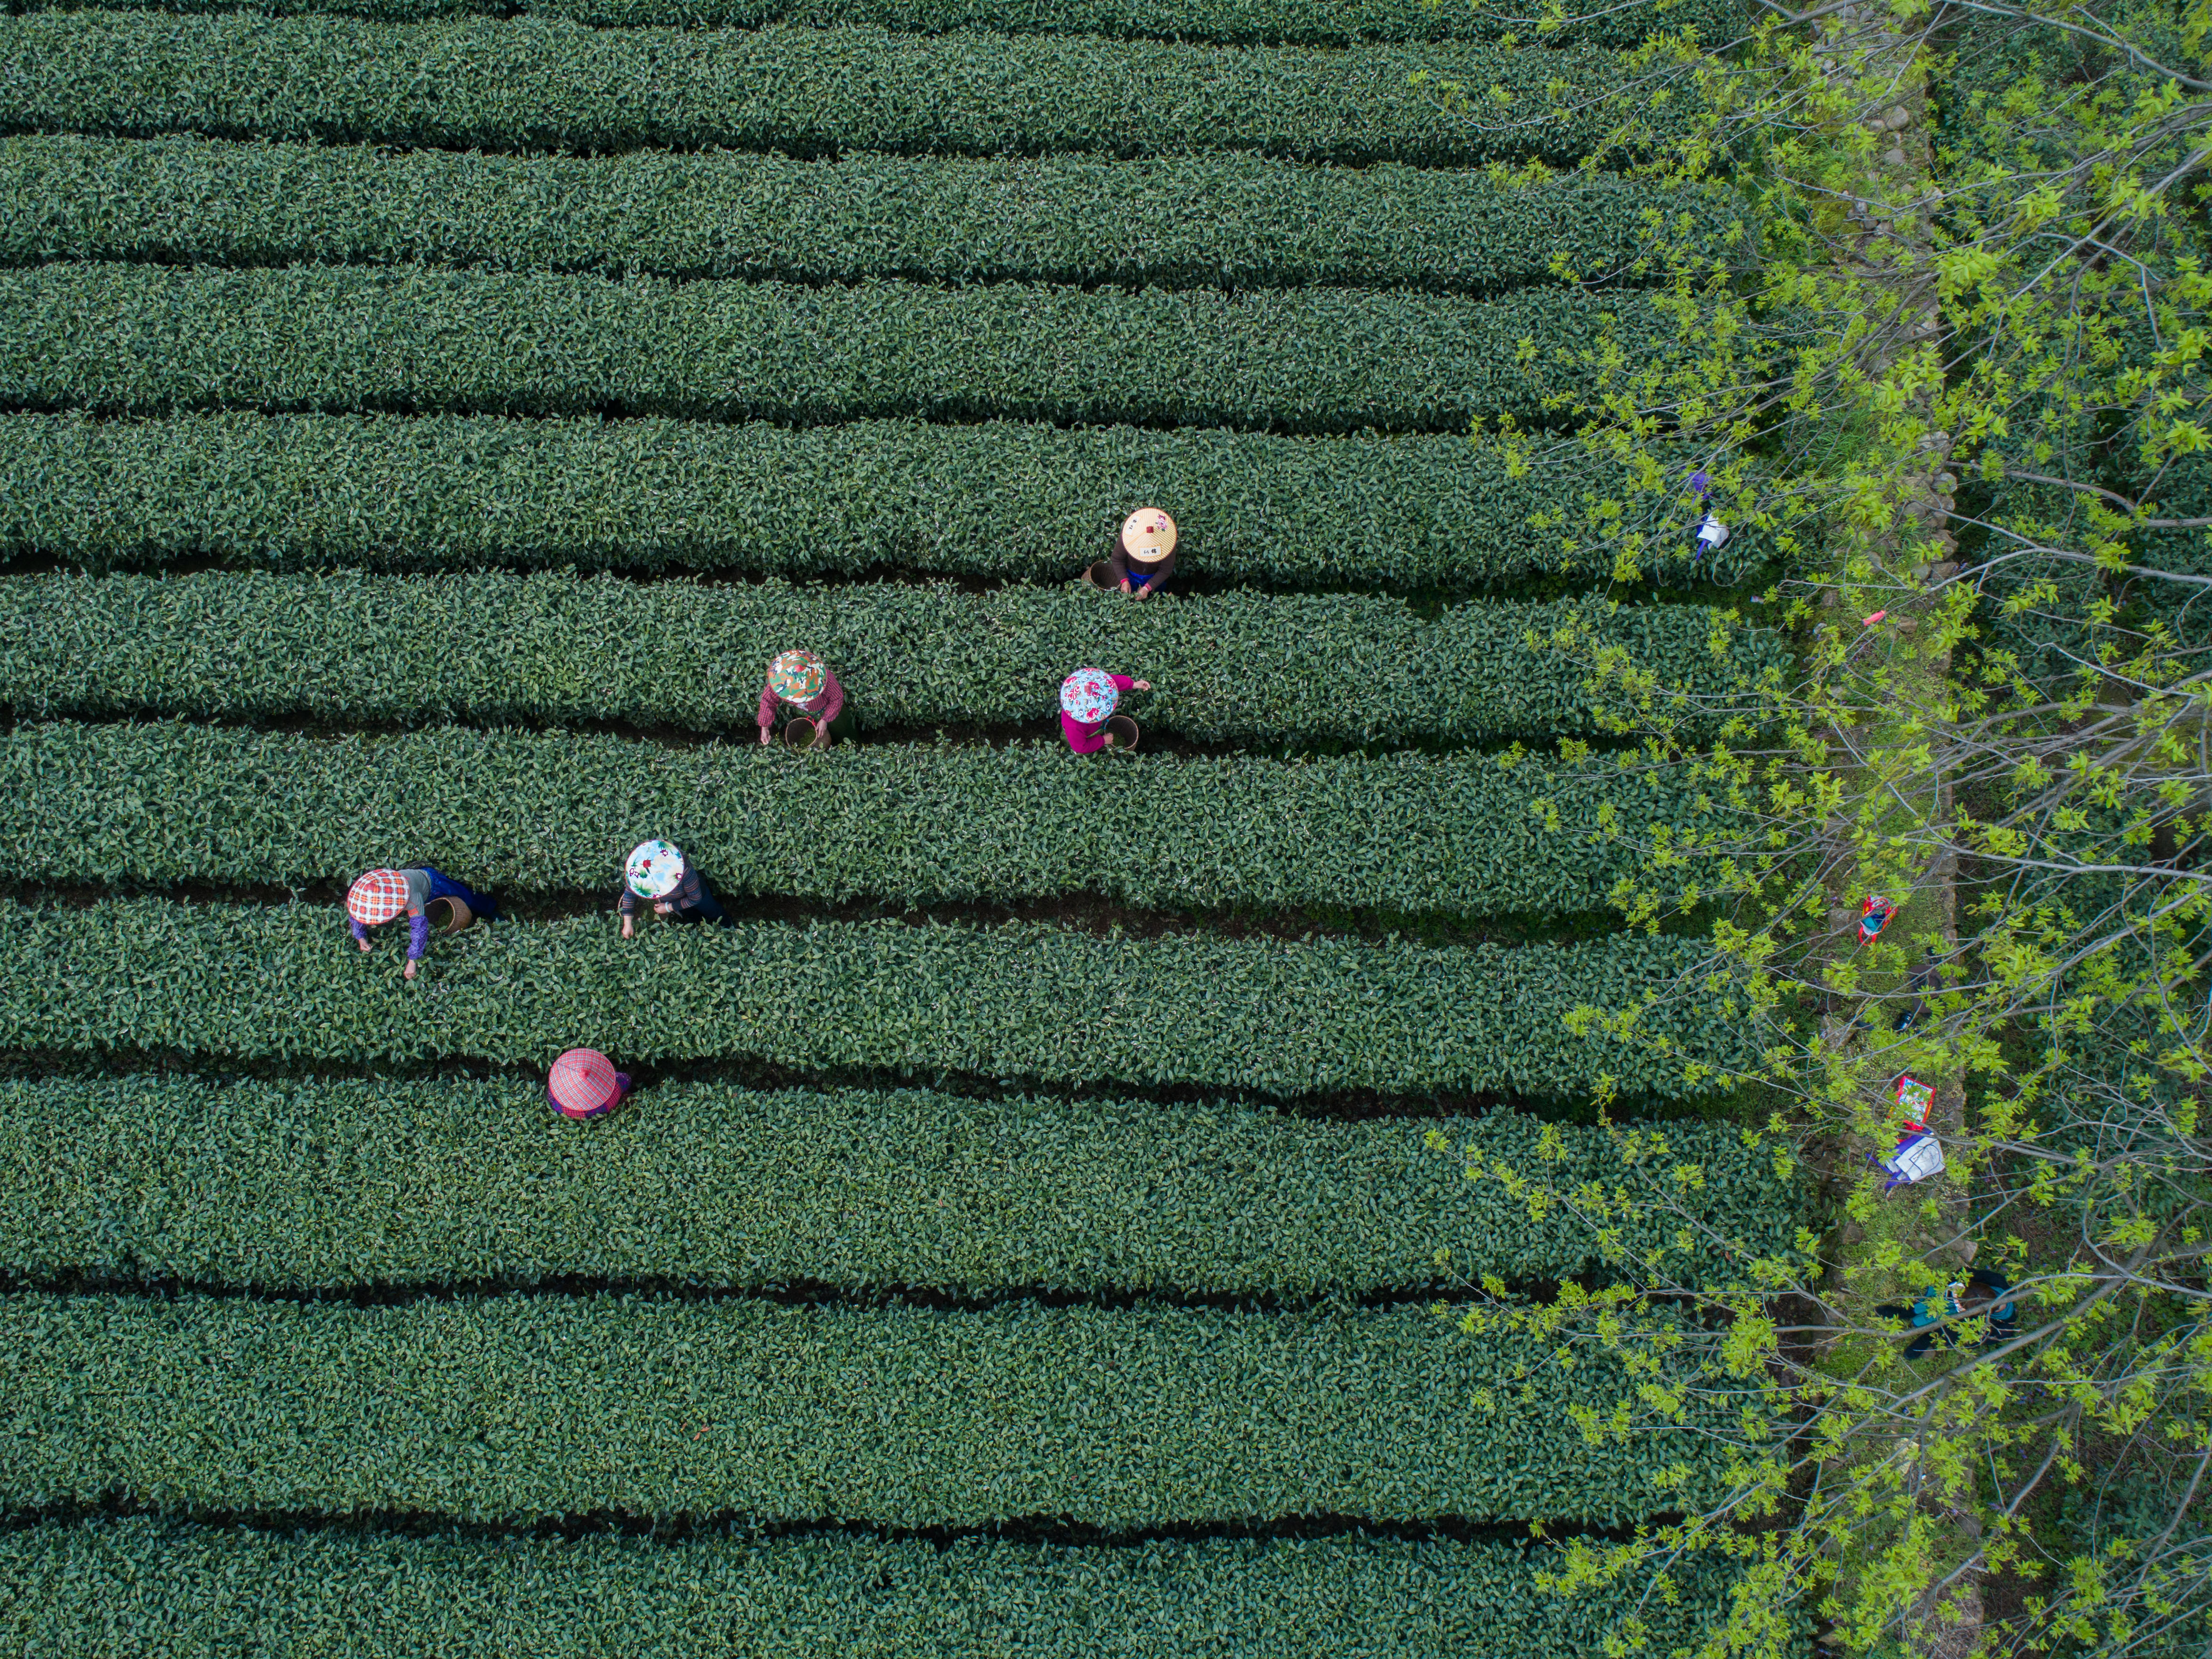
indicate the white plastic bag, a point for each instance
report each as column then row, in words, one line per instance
column 1915, row 1160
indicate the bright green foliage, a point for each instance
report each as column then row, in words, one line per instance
column 1255, row 22
column 147, row 340
column 1238, row 665
column 148, row 1586
column 997, row 499
column 1236, row 220
column 1464, row 834
column 517, row 1407
column 1017, row 1002
column 529, row 83
column 1993, row 357
column 326, row 1184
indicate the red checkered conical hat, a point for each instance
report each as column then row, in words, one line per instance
column 583, row 1083
column 377, row 898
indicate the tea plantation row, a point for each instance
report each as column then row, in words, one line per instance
column 1134, row 1229
column 1230, row 219
column 1000, row 501
column 1236, row 665
column 120, row 339
column 334, row 1183
column 528, row 83
column 1310, row 22
column 1463, row 834
column 150, row 1587
column 1016, row 1003
column 514, row 1408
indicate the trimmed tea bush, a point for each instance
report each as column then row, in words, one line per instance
column 152, row 1586
column 513, row 1408
column 1236, row 220
column 1235, row 666
column 332, row 1183
column 1016, row 1002
column 533, row 83
column 1462, row 834
column 122, row 339
column 999, row 500
column 1310, row 22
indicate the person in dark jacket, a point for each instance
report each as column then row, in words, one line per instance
column 380, row 896
column 659, row 874
column 1143, row 553
column 1934, row 1315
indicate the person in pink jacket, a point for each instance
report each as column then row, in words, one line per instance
column 803, row 680
column 1087, row 698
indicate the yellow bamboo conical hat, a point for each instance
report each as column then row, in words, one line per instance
column 1149, row 534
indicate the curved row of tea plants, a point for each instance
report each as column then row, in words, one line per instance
column 1249, row 23
column 1235, row 666
column 519, row 1407
column 1016, row 1002
column 1466, row 835
column 338, row 1182
column 1235, row 220
column 530, row 83
column 150, row 1585
column 123, row 339
column 999, row 500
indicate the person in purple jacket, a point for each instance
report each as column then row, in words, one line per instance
column 380, row 896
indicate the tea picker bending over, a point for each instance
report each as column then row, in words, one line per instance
column 800, row 681
column 584, row 1083
column 1087, row 700
column 1712, row 534
column 380, row 896
column 658, row 873
column 1982, row 1294
column 1143, row 553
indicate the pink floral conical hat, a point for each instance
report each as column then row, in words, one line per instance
column 1088, row 695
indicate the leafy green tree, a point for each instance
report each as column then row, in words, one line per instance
column 1949, row 398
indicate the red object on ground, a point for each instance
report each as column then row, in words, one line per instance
column 1913, row 1098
